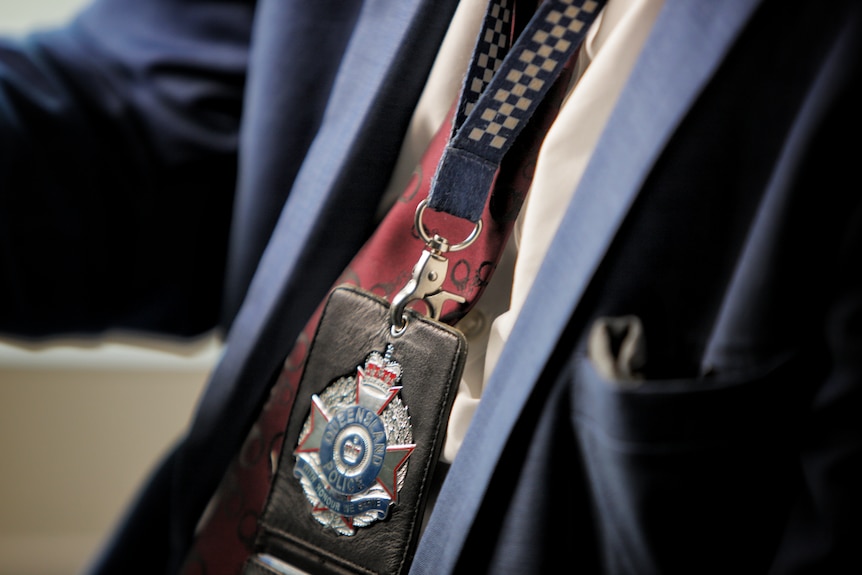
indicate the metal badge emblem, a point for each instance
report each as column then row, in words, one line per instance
column 343, row 499
column 351, row 457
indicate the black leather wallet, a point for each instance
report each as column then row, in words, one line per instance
column 361, row 444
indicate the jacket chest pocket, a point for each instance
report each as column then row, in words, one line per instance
column 692, row 475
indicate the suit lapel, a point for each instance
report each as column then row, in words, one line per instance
column 319, row 229
column 688, row 42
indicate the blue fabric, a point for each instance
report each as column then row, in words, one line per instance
column 118, row 140
column 462, row 183
column 285, row 105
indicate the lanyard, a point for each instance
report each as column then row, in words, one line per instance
column 501, row 91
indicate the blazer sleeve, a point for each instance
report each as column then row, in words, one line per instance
column 118, row 140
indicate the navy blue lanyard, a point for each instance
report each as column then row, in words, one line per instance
column 501, row 91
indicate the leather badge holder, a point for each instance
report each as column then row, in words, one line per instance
column 361, row 444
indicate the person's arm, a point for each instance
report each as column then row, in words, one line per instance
column 118, row 137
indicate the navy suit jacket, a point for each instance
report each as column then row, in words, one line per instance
column 174, row 165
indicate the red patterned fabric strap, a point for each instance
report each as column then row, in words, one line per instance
column 227, row 531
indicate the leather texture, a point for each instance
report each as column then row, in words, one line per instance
column 355, row 323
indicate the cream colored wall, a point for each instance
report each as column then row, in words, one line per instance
column 81, row 423
column 80, row 428
column 22, row 16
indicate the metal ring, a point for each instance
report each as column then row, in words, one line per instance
column 397, row 331
column 423, row 233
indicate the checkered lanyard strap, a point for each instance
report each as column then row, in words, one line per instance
column 500, row 94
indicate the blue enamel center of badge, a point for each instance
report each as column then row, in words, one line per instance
column 352, row 449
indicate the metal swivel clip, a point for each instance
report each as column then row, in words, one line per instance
column 429, row 273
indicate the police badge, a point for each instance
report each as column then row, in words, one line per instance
column 361, row 447
column 353, row 449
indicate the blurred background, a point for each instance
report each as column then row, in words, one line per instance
column 82, row 422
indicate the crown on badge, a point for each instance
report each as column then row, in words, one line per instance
column 381, row 370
